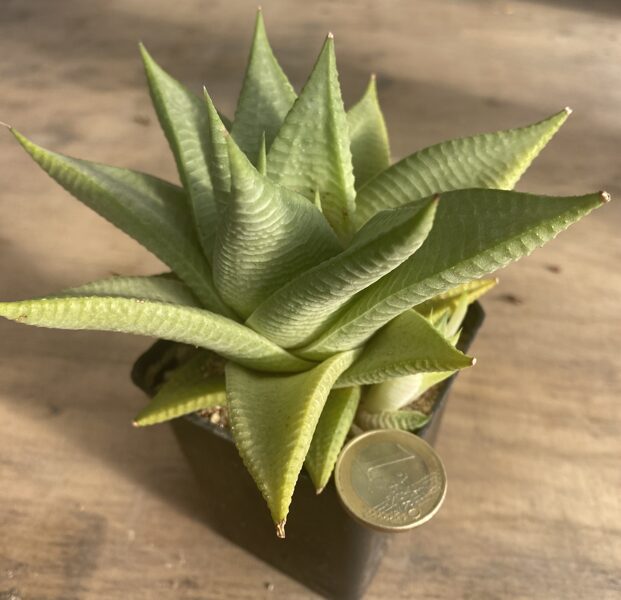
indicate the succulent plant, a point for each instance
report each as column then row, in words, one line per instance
column 317, row 283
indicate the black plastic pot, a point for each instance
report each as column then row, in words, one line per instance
column 325, row 548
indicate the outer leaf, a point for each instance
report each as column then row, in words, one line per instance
column 493, row 160
column 311, row 151
column 192, row 387
column 268, row 235
column 183, row 118
column 161, row 288
column 159, row 319
column 297, row 312
column 330, row 434
column 408, row 420
column 370, row 149
column 408, row 344
column 150, row 210
column 476, row 232
column 266, row 96
column 273, row 419
column 450, row 299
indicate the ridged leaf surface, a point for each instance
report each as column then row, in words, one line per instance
column 265, row 99
column 295, row 313
column 493, row 160
column 408, row 420
column 370, row 149
column 148, row 209
column 311, row 151
column 476, row 232
column 273, row 418
column 161, row 288
column 183, row 118
column 408, row 344
column 330, row 434
column 159, row 319
column 268, row 236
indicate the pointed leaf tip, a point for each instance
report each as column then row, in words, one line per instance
column 9, row 127
column 280, row 529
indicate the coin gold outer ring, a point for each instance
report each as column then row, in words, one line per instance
column 342, row 493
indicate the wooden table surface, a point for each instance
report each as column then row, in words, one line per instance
column 93, row 509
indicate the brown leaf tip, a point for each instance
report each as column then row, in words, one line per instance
column 605, row 196
column 280, row 529
column 6, row 125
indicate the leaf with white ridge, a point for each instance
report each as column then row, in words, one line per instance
column 408, row 344
column 150, row 210
column 161, row 288
column 330, row 434
column 492, row 160
column 297, row 312
column 192, row 387
column 311, row 151
column 265, row 98
column 370, row 149
column 407, row 420
column 476, row 232
column 268, row 235
column 183, row 118
column 158, row 319
column 273, row 418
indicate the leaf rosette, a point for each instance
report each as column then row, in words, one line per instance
column 330, row 283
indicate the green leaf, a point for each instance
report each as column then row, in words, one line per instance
column 294, row 314
column 183, row 118
column 408, row 344
column 394, row 394
column 370, row 149
column 148, row 209
column 262, row 159
column 196, row 385
column 492, row 160
column 476, row 232
column 159, row 319
column 273, row 418
column 265, row 99
column 450, row 299
column 311, row 151
column 268, row 235
column 408, row 420
column 161, row 288
column 219, row 168
column 330, row 434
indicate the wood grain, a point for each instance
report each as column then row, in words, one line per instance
column 91, row 509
